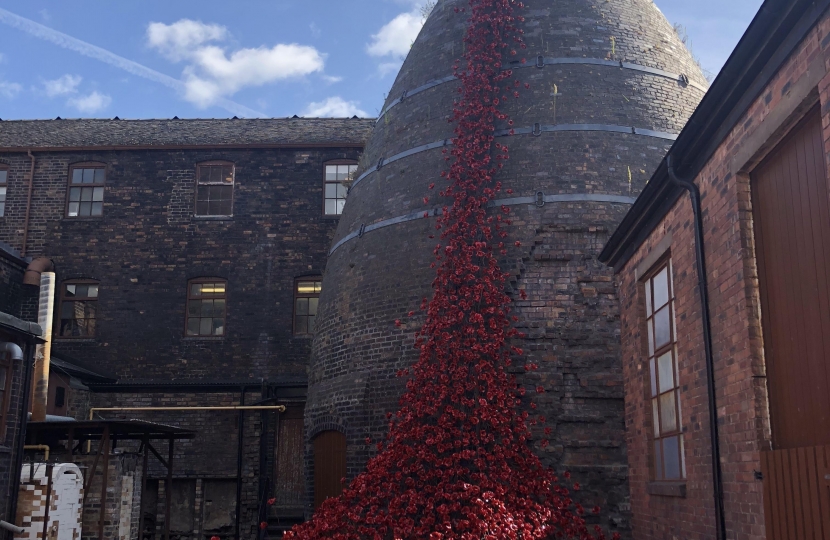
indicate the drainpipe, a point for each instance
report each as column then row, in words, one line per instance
column 700, row 256
column 239, row 449
column 43, row 353
column 17, row 354
column 28, row 204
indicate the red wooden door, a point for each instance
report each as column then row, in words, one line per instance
column 329, row 465
column 791, row 214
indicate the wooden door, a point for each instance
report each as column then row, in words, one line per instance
column 791, row 214
column 289, row 477
column 329, row 465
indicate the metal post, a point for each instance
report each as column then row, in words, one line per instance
column 169, row 489
column 239, row 463
column 144, row 445
column 48, row 499
column 105, row 444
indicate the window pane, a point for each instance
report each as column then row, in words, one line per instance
column 662, row 334
column 311, row 320
column 655, row 418
column 331, row 191
column 342, row 172
column 227, row 174
column 75, row 194
column 648, row 298
column 661, row 288
column 218, row 308
column 215, row 192
column 214, row 208
column 202, row 208
column 341, row 191
column 3, row 193
column 225, row 208
column 4, row 175
column 81, row 290
column 98, row 194
column 193, row 327
column 99, row 176
column 77, row 176
column 73, row 209
column 653, row 376
column 89, row 176
column 68, row 310
column 664, row 368
column 3, row 374
column 204, row 174
column 312, row 306
column 340, row 204
column 97, row 209
column 650, row 325
column 218, row 288
column 215, row 174
column 331, row 207
column 86, row 194
column 194, row 307
column 218, row 327
column 668, row 418
column 205, row 327
column 207, row 308
column 302, row 306
column 306, row 287
column 300, row 326
column 196, row 289
column 658, row 460
column 90, row 309
column 2, row 208
column 671, row 458
column 331, row 173
column 682, row 455
column 70, row 290
column 318, row 286
column 85, row 209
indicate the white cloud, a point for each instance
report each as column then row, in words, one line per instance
column 315, row 30
column 212, row 73
column 92, row 103
column 385, row 68
column 2, row 58
column 396, row 36
column 66, row 84
column 331, row 79
column 334, row 107
column 9, row 89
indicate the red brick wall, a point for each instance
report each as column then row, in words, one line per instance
column 737, row 338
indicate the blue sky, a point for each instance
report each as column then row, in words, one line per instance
column 217, row 59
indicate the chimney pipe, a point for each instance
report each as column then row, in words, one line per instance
column 35, row 269
column 43, row 353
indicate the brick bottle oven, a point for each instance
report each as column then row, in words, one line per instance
column 611, row 85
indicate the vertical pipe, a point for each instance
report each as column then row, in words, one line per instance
column 239, row 463
column 21, row 432
column 48, row 499
column 168, row 489
column 28, row 205
column 703, row 291
column 144, row 446
column 105, row 448
column 46, row 306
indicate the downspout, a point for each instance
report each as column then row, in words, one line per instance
column 43, row 353
column 700, row 256
column 239, row 450
column 17, row 354
column 28, row 204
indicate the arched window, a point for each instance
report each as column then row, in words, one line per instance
column 206, row 307
column 4, row 178
column 214, row 188
column 338, row 174
column 329, row 465
column 78, row 309
column 306, row 298
column 85, row 197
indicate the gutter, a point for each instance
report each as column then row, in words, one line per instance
column 703, row 288
column 28, row 202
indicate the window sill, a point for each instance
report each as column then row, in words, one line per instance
column 96, row 218
column 213, row 218
column 66, row 339
column 203, row 338
column 303, row 336
column 667, row 489
column 332, row 218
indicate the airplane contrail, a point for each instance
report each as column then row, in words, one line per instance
column 87, row 49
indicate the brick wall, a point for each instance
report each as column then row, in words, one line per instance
column 743, row 417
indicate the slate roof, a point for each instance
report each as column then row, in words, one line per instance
column 87, row 133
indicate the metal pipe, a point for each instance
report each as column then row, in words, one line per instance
column 28, row 204
column 17, row 352
column 168, row 491
column 37, row 267
column 47, row 503
column 703, row 289
column 102, row 512
column 43, row 353
column 12, row 528
column 44, row 447
column 239, row 448
column 280, row 408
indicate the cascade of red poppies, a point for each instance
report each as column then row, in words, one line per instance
column 457, row 461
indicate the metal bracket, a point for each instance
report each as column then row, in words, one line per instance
column 537, row 129
column 540, row 199
column 758, row 475
column 403, row 96
column 684, row 79
column 379, row 165
column 540, row 61
column 362, row 230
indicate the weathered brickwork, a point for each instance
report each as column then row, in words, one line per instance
column 571, row 313
column 743, row 417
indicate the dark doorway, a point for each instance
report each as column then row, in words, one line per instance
column 329, row 465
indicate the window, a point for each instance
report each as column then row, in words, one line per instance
column 4, row 177
column 669, row 458
column 306, row 296
column 337, row 174
column 206, row 303
column 86, row 190
column 6, row 368
column 79, row 306
column 214, row 188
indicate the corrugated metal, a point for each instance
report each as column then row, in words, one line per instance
column 792, row 230
column 329, row 465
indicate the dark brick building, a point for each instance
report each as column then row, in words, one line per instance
column 724, row 305
column 610, row 86
column 188, row 257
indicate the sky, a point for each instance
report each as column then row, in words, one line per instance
column 246, row 58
